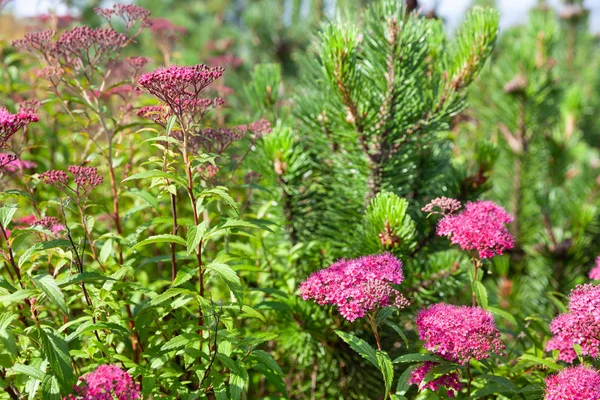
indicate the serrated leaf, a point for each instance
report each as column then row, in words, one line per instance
column 6, row 214
column 106, row 250
column 481, row 294
column 544, row 361
column 157, row 174
column 194, row 236
column 221, row 192
column 179, row 341
column 29, row 371
column 398, row 331
column 416, row 357
column 387, row 369
column 50, row 388
column 57, row 352
column 50, row 288
column 165, row 238
column 403, row 382
column 17, row 296
column 184, row 275
column 360, row 346
column 232, row 280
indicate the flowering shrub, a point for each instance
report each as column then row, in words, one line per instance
column 180, row 222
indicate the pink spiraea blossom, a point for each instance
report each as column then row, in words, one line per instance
column 180, row 88
column 595, row 272
column 157, row 114
column 450, row 380
column 107, row 382
column 85, row 178
column 137, row 62
column 574, row 383
column 459, row 333
column 52, row 224
column 481, row 227
column 581, row 325
column 357, row 286
column 444, row 204
column 130, row 14
column 11, row 123
column 164, row 30
column 11, row 163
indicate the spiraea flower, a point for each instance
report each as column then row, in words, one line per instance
column 86, row 179
column 11, row 123
column 158, row 114
column 11, row 163
column 180, row 89
column 595, row 272
column 84, row 47
column 130, row 14
column 164, row 30
column 481, row 227
column 38, row 43
column 107, row 382
column 444, row 204
column 451, row 380
column 581, row 325
column 459, row 333
column 52, row 224
column 580, row 383
column 137, row 62
column 55, row 177
column 357, row 286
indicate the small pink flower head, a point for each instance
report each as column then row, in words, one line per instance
column 444, row 204
column 581, row 325
column 180, row 88
column 158, row 114
column 574, row 383
column 11, row 163
column 83, row 47
column 52, row 224
column 595, row 272
column 36, row 42
column 165, row 30
column 128, row 13
column 481, row 226
column 11, row 123
column 357, row 286
column 55, row 177
column 86, row 178
column 137, row 63
column 107, row 382
column 459, row 333
column 450, row 380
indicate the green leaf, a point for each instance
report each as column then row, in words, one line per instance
column 481, row 294
column 387, row 369
column 504, row 314
column 268, row 360
column 360, row 346
column 232, row 280
column 403, row 385
column 157, row 174
column 6, row 214
column 184, row 275
column 544, row 361
column 106, row 250
column 416, row 357
column 194, row 236
column 165, row 238
column 17, row 296
column 29, row 371
column 50, row 288
column 51, row 388
column 179, row 341
column 398, row 331
column 221, row 192
column 234, row 223
column 57, row 352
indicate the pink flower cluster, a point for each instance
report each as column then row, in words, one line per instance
column 86, row 179
column 107, row 382
column 459, row 333
column 52, row 224
column 12, row 163
column 358, row 285
column 450, row 380
column 574, row 383
column 481, row 226
column 129, row 13
column 595, row 272
column 163, row 29
column 157, row 114
column 180, row 89
column 137, row 62
column 581, row 325
column 445, row 204
column 11, row 123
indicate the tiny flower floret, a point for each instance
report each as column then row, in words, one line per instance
column 450, row 380
column 595, row 272
column 481, row 227
column 358, row 285
column 107, row 382
column 459, row 333
column 11, row 123
column 581, row 325
column 574, row 383
column 52, row 224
